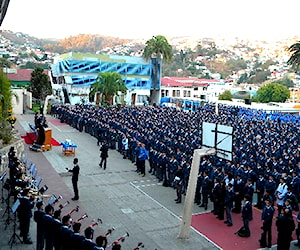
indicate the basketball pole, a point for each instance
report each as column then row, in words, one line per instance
column 191, row 189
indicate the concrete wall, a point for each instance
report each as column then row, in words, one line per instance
column 22, row 102
column 19, row 148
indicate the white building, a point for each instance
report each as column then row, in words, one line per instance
column 207, row 90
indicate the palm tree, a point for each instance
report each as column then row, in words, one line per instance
column 294, row 60
column 107, row 85
column 157, row 48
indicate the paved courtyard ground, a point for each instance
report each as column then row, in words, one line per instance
column 119, row 196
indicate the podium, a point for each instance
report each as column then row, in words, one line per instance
column 47, row 143
column 48, row 137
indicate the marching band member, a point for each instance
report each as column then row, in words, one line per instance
column 66, row 233
column 88, row 243
column 101, row 242
column 38, row 218
column 56, row 229
column 116, row 247
column 77, row 238
column 48, row 227
column 25, row 214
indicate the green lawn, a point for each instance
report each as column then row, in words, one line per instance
column 36, row 107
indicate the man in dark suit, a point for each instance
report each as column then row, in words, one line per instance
column 25, row 213
column 103, row 155
column 75, row 174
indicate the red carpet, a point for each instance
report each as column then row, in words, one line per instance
column 225, row 237
column 57, row 123
column 29, row 140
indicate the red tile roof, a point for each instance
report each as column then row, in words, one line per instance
column 21, row 75
column 186, row 81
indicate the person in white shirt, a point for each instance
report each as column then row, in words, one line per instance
column 280, row 193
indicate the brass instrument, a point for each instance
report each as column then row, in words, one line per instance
column 55, row 199
column 99, row 221
column 61, row 206
column 76, row 209
column 121, row 239
column 140, row 245
column 109, row 232
column 34, row 196
column 81, row 218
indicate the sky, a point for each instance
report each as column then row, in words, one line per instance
column 133, row 19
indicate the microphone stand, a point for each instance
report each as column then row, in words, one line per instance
column 14, row 237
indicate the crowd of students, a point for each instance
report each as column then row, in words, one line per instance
column 266, row 152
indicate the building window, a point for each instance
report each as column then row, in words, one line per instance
column 178, row 93
column 167, row 92
column 174, row 93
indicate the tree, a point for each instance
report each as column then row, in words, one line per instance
column 5, row 96
column 287, row 82
column 226, row 95
column 107, row 85
column 39, row 85
column 157, row 48
column 294, row 60
column 272, row 92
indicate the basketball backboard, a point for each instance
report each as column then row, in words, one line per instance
column 219, row 137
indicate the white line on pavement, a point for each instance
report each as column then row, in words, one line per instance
column 173, row 214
